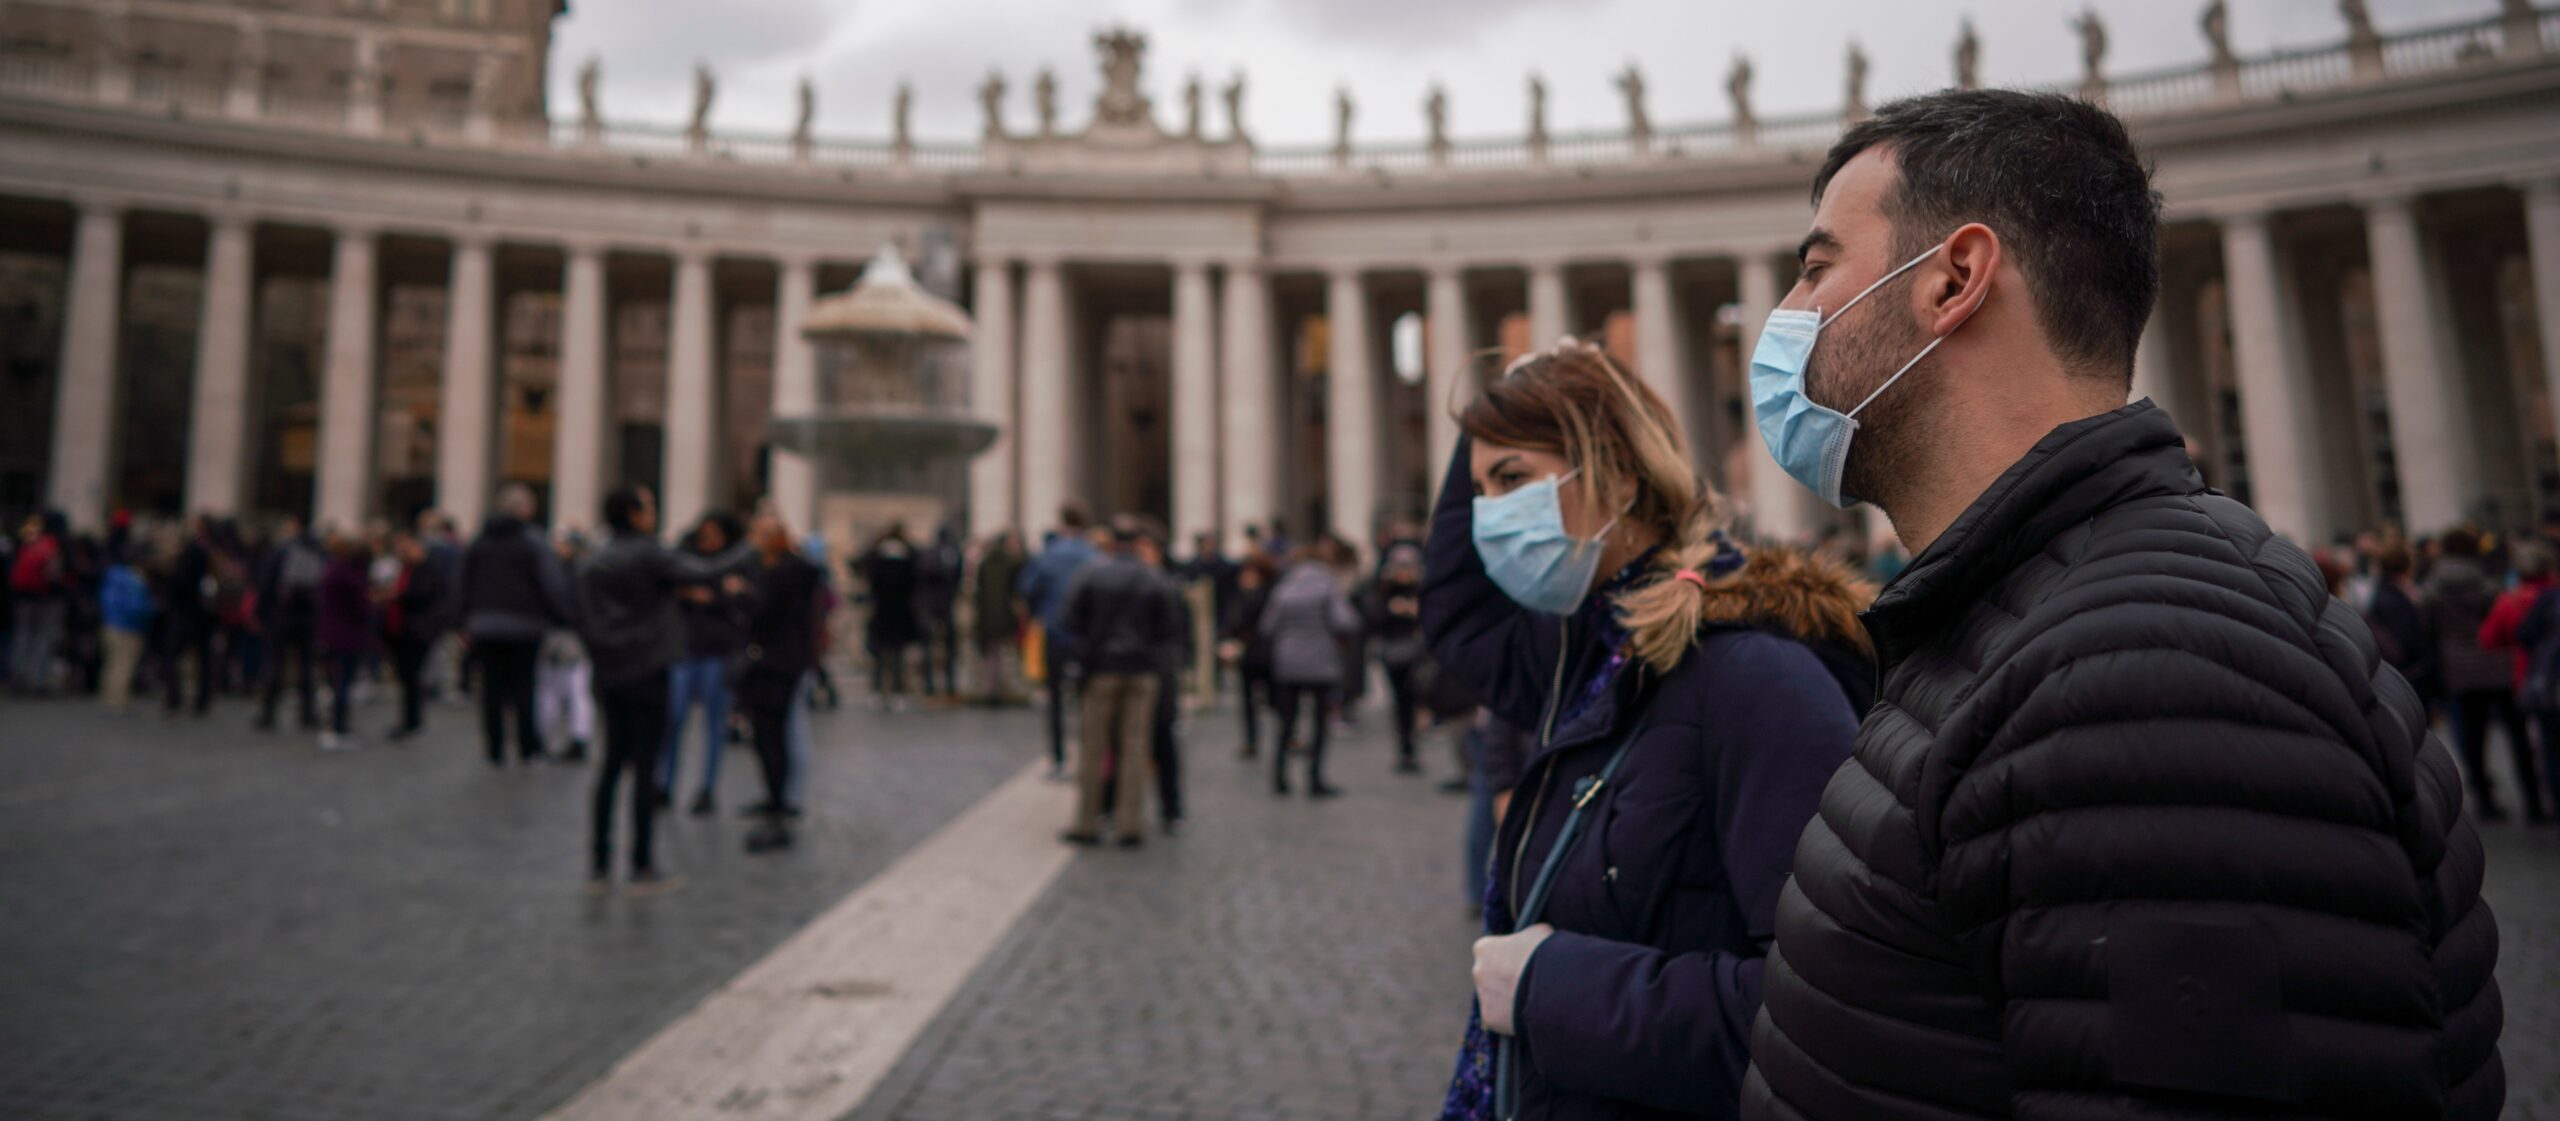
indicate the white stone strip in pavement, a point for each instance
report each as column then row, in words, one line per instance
column 809, row 1030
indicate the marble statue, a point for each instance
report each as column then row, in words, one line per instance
column 366, row 74
column 703, row 88
column 2093, row 54
column 808, row 113
column 991, row 104
column 1191, row 108
column 2216, row 22
column 1737, row 86
column 1639, row 124
column 1044, row 101
column 902, row 111
column 590, row 118
column 249, row 57
column 1857, row 104
column 1968, row 57
column 486, row 71
column 1435, row 112
column 2364, row 44
column 1537, row 116
column 1234, row 96
column 2519, row 28
column 1342, row 124
column 1121, row 102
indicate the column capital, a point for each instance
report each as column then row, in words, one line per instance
column 583, row 247
column 688, row 254
column 2239, row 217
column 2387, row 200
column 1354, row 271
column 356, row 231
column 468, row 238
column 1438, row 270
column 89, row 203
column 1244, row 266
column 1191, row 263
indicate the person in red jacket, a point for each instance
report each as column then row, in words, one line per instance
column 2535, row 574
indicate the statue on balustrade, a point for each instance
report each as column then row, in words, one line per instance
column 249, row 54
column 364, row 77
column 1968, row 56
column 1737, row 86
column 902, row 110
column 486, row 75
column 115, row 34
column 1044, row 101
column 703, row 88
column 1121, row 103
column 1234, row 95
column 1537, row 117
column 2216, row 22
column 807, row 115
column 1191, row 108
column 991, row 104
column 1856, row 108
column 1435, row 111
column 1342, row 124
column 590, row 120
column 2093, row 54
column 1639, row 124
column 2364, row 44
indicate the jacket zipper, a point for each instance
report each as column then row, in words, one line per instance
column 1547, row 773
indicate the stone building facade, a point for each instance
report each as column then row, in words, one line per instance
column 339, row 257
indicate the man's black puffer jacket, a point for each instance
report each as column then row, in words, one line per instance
column 2141, row 826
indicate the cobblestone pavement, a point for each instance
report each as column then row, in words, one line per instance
column 207, row 923
column 1280, row 959
column 204, row 923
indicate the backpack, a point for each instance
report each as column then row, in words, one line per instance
column 2541, row 634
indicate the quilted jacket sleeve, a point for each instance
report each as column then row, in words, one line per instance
column 1672, row 1031
column 2212, row 861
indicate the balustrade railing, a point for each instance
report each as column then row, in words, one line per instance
column 2275, row 76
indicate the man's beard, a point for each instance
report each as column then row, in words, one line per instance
column 1849, row 361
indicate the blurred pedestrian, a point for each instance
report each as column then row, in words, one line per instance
column 288, row 605
column 715, row 630
column 342, row 629
column 1044, row 591
column 2478, row 683
column 127, row 610
column 191, row 618
column 1164, row 743
column 998, row 608
column 1241, row 641
column 1689, row 698
column 1392, row 612
column 781, row 607
column 511, row 594
column 2502, row 633
column 937, row 598
column 564, row 689
column 888, row 574
column 1122, row 618
column 627, row 618
column 413, row 616
column 1308, row 623
column 40, row 594
column 2399, row 625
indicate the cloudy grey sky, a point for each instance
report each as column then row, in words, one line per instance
column 1388, row 52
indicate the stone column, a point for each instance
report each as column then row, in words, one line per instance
column 217, row 447
column 1778, row 503
column 577, row 442
column 2431, row 427
column 1550, row 315
column 1659, row 358
column 991, row 389
column 793, row 476
column 1247, row 454
column 84, row 401
column 466, row 404
column 2542, row 230
column 1447, row 350
column 1351, row 420
column 1195, row 403
column 343, row 475
column 692, row 395
column 2275, row 394
column 1048, row 464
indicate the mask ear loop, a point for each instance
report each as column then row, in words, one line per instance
column 1915, row 360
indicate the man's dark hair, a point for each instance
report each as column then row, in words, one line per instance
column 1074, row 516
column 621, row 506
column 2056, row 177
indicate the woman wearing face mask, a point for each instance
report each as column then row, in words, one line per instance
column 1688, row 697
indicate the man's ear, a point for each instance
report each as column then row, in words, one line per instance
column 1954, row 284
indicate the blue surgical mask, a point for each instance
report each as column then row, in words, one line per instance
column 1807, row 438
column 1521, row 539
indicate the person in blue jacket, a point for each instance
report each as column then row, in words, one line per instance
column 1690, row 695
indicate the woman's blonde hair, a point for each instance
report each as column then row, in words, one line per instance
column 1621, row 437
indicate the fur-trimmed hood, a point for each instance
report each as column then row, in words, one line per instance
column 1811, row 598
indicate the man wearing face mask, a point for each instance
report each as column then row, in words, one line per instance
column 2140, row 824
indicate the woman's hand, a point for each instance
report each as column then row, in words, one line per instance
column 1499, row 963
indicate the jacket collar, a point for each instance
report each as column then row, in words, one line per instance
column 2076, row 471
